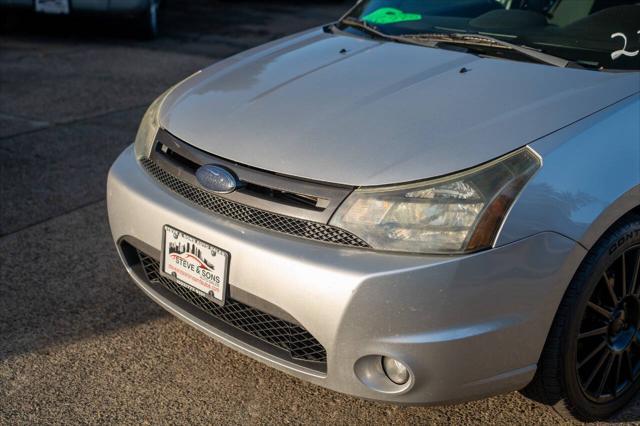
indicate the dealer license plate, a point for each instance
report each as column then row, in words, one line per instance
column 195, row 264
column 52, row 6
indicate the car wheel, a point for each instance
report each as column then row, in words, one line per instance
column 147, row 24
column 590, row 366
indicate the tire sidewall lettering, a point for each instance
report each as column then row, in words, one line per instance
column 621, row 242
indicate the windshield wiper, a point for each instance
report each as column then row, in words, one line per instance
column 478, row 40
column 373, row 31
column 469, row 40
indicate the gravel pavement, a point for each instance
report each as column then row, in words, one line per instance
column 79, row 343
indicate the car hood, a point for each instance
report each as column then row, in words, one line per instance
column 353, row 111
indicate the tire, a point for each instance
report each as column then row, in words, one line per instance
column 11, row 20
column 571, row 371
column 146, row 24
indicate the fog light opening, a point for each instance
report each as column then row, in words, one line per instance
column 395, row 370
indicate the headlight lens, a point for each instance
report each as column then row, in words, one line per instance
column 456, row 214
column 150, row 123
column 149, row 127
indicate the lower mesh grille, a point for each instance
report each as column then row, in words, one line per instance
column 290, row 337
column 263, row 219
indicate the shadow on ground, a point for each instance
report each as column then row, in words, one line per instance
column 62, row 281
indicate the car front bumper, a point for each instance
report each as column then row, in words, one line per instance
column 466, row 326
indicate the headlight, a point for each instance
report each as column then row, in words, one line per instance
column 456, row 214
column 149, row 127
column 150, row 123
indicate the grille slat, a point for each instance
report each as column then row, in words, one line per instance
column 282, row 334
column 252, row 216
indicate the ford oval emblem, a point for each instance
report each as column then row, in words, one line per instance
column 216, row 179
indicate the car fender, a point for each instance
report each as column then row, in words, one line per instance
column 589, row 179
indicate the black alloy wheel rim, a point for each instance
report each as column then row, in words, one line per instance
column 608, row 350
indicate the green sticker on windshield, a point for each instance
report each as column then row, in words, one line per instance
column 390, row 15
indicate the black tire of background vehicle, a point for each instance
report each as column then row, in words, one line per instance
column 146, row 24
column 10, row 20
column 556, row 382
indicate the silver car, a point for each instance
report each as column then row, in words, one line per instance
column 424, row 202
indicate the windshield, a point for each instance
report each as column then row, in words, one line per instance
column 597, row 33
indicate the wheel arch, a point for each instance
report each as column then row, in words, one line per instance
column 549, row 385
column 625, row 206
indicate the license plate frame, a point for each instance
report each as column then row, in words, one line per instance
column 194, row 264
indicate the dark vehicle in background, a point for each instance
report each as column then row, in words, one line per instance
column 142, row 14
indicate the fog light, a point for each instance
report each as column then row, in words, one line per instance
column 396, row 371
